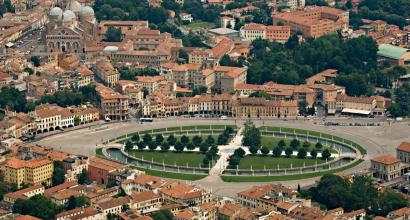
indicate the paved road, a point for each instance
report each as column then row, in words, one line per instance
column 377, row 140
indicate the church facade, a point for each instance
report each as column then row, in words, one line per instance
column 72, row 30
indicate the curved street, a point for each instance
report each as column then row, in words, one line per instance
column 377, row 140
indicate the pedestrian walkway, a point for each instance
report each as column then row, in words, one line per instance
column 224, row 152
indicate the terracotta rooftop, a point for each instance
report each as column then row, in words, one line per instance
column 26, row 217
column 144, row 196
column 404, row 146
column 400, row 212
column 386, row 159
column 34, row 163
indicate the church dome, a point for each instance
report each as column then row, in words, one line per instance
column 87, row 11
column 68, row 15
column 56, row 12
column 75, row 6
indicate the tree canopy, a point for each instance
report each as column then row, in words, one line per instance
column 333, row 191
column 129, row 10
column 356, row 60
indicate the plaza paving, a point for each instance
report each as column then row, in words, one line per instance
column 377, row 141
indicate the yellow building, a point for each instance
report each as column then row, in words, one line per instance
column 29, row 171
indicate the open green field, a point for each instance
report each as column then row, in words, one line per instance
column 269, row 162
column 179, row 176
column 200, row 24
column 286, row 177
column 272, row 142
column 315, row 133
column 194, row 159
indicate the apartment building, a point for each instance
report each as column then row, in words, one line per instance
column 49, row 117
column 226, row 78
column 146, row 202
column 112, row 105
column 314, row 21
column 386, row 167
column 253, row 31
column 106, row 73
column 403, row 152
column 150, row 83
column 133, row 90
column 265, row 197
column 221, row 46
column 260, row 107
column 292, row 4
column 185, row 194
column 74, row 165
column 148, row 47
column 24, row 194
column 193, row 76
column 127, row 27
column 355, row 105
column 98, row 169
column 35, row 171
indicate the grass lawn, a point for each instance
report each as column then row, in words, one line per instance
column 272, row 142
column 258, row 162
column 200, row 24
column 286, row 177
column 179, row 176
column 99, row 152
column 193, row 159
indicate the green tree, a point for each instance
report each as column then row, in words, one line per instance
column 159, row 139
column 319, row 145
column 152, row 145
column 76, row 202
column 184, row 140
column 125, row 207
column 251, row 135
column 387, row 202
column 277, row 152
column 326, row 154
column 265, row 151
column 83, row 177
column 147, row 138
column 141, row 145
column 203, row 147
column 171, row 139
column 401, row 107
column 281, row 144
column 165, row 146
column 239, row 152
column 210, row 140
column 288, row 152
column 135, row 138
column 129, row 146
column 179, row 147
column 234, row 161
column 35, row 60
column 37, row 206
column 306, row 145
column 58, row 173
column 254, row 149
column 313, row 153
column 113, row 34
column 13, row 100
column 294, row 144
column 302, row 153
column 196, row 140
column 77, row 120
column 162, row 215
column 190, row 146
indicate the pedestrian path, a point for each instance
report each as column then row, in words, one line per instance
column 224, row 152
